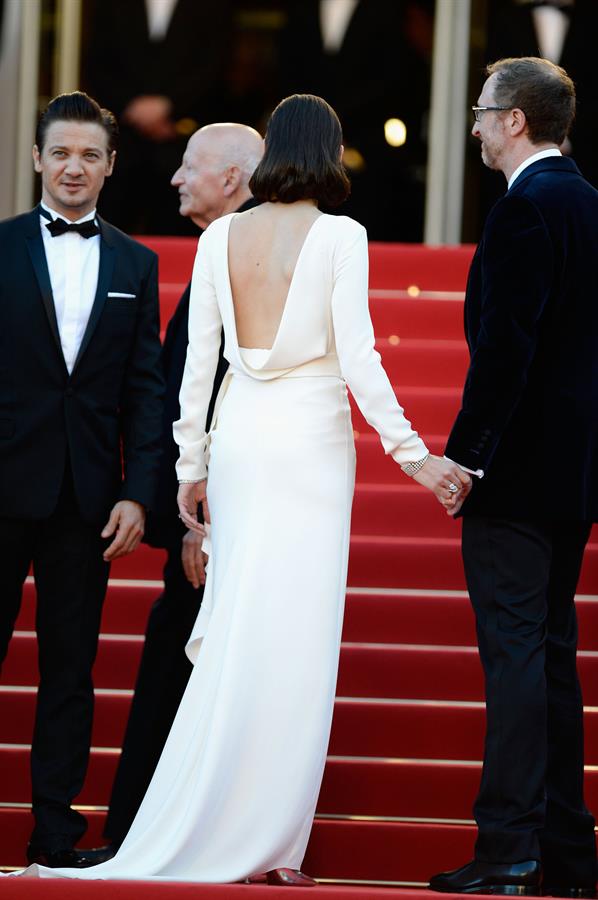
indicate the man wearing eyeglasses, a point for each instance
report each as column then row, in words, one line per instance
column 529, row 427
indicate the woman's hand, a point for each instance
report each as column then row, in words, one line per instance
column 189, row 497
column 441, row 477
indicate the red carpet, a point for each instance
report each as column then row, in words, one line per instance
column 407, row 735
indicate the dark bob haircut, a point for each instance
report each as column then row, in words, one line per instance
column 542, row 90
column 302, row 158
column 76, row 107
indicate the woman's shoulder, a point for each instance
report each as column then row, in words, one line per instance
column 344, row 227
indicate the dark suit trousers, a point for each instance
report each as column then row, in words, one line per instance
column 522, row 578
column 70, row 579
column 163, row 675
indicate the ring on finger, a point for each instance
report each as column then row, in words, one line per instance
column 453, row 488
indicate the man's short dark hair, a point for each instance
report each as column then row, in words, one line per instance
column 76, row 107
column 542, row 90
column 302, row 157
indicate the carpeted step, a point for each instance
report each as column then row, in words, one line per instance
column 401, row 509
column 386, row 616
column 423, row 361
column 351, row 786
column 429, row 673
column 370, row 851
column 145, row 563
column 366, row 670
column 434, row 618
column 17, row 711
column 374, row 562
column 429, row 563
column 360, row 727
column 429, row 409
column 44, row 889
column 420, row 729
column 416, row 319
column 392, row 851
column 126, row 607
column 416, row 267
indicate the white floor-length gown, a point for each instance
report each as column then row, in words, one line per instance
column 235, row 790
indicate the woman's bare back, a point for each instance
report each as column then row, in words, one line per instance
column 263, row 248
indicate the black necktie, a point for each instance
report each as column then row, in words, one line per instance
column 85, row 229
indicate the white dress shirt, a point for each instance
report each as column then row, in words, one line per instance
column 159, row 15
column 73, row 264
column 335, row 17
column 541, row 154
column 552, row 25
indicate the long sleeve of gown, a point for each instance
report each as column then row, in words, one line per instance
column 360, row 362
column 205, row 326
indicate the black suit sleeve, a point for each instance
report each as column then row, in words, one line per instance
column 141, row 407
column 516, row 278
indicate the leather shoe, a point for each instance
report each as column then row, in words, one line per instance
column 520, row 879
column 60, row 859
column 97, row 855
column 289, row 878
column 568, row 891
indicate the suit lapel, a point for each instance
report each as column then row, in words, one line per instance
column 106, row 268
column 35, row 246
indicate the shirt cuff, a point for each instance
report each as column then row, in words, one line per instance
column 479, row 473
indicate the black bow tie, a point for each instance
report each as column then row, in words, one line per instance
column 85, row 229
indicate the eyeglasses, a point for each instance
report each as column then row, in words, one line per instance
column 478, row 110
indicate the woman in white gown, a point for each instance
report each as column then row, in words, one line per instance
column 235, row 791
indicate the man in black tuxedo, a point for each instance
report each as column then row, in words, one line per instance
column 212, row 181
column 80, row 417
column 370, row 59
column 529, row 425
column 162, row 68
column 563, row 31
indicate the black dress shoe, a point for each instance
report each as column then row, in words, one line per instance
column 520, row 879
column 99, row 855
column 567, row 891
column 60, row 859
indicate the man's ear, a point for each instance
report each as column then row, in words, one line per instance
column 37, row 165
column 232, row 179
column 110, row 166
column 518, row 121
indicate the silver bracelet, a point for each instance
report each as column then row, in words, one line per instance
column 190, row 480
column 412, row 468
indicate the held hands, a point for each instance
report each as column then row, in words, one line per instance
column 439, row 476
column 127, row 520
column 190, row 495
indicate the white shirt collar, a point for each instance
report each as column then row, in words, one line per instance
column 55, row 215
column 542, row 154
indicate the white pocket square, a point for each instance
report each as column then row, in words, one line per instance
column 123, row 296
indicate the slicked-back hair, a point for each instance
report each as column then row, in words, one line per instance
column 302, row 156
column 542, row 90
column 76, row 107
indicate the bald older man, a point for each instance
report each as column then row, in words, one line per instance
column 212, row 181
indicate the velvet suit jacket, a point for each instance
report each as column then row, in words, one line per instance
column 105, row 417
column 529, row 413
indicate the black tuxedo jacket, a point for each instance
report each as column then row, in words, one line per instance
column 105, row 417
column 163, row 527
column 529, row 414
column 511, row 32
column 188, row 65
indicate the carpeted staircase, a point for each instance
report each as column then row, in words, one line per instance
column 404, row 757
